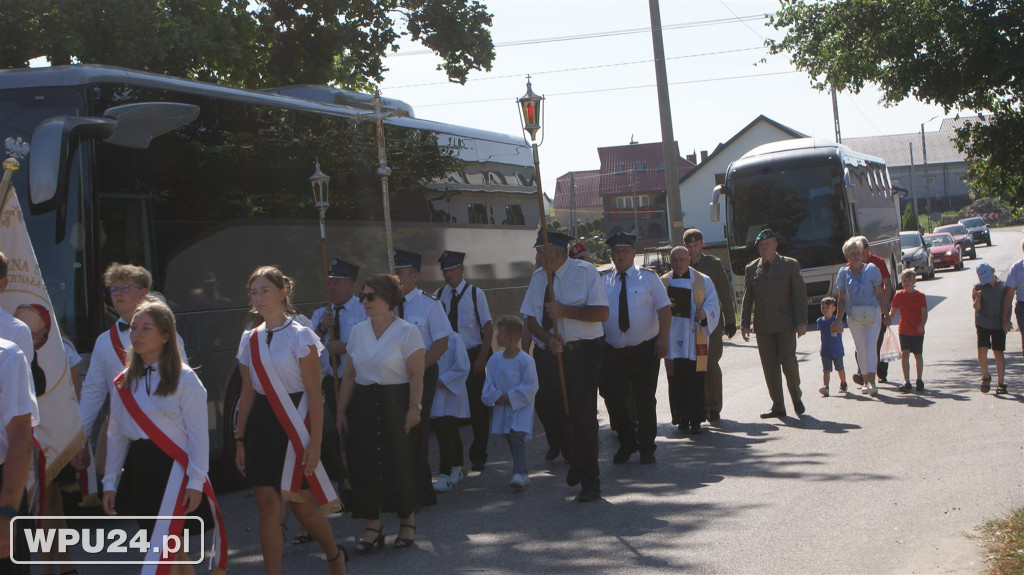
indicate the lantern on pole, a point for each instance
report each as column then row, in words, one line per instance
column 320, row 184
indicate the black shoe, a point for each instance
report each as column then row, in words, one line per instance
column 773, row 413
column 623, row 454
column 713, row 417
column 920, row 385
column 552, row 454
column 905, row 388
column 588, row 495
column 695, row 429
column 572, row 479
column 647, row 457
column 798, row 407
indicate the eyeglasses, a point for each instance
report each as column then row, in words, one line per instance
column 367, row 296
column 125, row 288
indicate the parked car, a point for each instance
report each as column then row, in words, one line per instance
column 962, row 238
column 916, row 254
column 945, row 250
column 978, row 230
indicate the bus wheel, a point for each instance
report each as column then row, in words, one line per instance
column 228, row 477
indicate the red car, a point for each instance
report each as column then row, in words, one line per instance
column 946, row 252
column 962, row 238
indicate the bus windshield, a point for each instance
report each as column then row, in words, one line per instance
column 58, row 251
column 805, row 207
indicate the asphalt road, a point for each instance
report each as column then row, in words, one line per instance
column 893, row 484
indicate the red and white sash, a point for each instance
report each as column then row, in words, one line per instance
column 173, row 502
column 115, row 340
column 295, row 422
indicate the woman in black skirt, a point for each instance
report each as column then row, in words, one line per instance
column 379, row 406
column 170, row 394
column 287, row 353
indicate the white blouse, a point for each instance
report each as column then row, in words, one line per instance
column 182, row 416
column 382, row 361
column 289, row 344
column 17, row 395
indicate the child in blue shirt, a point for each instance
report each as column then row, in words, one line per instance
column 831, row 345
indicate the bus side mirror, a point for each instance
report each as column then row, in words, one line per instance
column 51, row 149
column 716, row 207
column 848, row 187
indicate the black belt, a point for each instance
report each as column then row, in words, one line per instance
column 578, row 344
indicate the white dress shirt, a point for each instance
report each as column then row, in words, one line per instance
column 104, row 366
column 576, row 283
column 17, row 393
column 469, row 329
column 427, row 314
column 453, row 369
column 349, row 314
column 645, row 294
column 289, row 344
column 382, row 361
column 13, row 329
column 518, row 378
column 182, row 416
column 683, row 335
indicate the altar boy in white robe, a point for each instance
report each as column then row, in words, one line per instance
column 695, row 314
column 451, row 403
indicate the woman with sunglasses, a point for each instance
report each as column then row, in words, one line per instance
column 380, row 406
column 275, row 449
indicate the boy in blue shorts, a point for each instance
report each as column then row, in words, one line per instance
column 831, row 345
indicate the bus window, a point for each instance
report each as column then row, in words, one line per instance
column 124, row 231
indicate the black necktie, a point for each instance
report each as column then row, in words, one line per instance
column 401, row 308
column 767, row 266
column 623, row 305
column 149, row 370
column 453, row 313
column 336, row 330
column 545, row 320
column 122, row 326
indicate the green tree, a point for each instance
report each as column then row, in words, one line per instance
column 956, row 54
column 909, row 222
column 247, row 43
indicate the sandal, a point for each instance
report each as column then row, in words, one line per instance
column 363, row 546
column 341, row 551
column 1001, row 389
column 985, row 381
column 301, row 539
column 404, row 542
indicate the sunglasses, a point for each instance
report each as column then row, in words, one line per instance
column 366, row 296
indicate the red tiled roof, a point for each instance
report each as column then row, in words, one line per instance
column 635, row 168
column 586, row 189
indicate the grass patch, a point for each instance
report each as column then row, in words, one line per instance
column 1004, row 544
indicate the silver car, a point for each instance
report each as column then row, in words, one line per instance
column 916, row 254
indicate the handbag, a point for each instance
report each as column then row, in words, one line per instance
column 862, row 314
column 890, row 346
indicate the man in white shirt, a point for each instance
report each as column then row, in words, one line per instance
column 636, row 338
column 1015, row 290
column 579, row 306
column 333, row 328
column 12, row 328
column 19, row 413
column 427, row 314
column 470, row 316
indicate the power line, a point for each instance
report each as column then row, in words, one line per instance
column 389, row 88
column 610, row 33
column 741, row 77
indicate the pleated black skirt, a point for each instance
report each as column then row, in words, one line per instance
column 141, row 489
column 266, row 444
column 381, row 455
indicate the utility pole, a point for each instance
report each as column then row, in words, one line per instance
column 669, row 153
column 913, row 196
column 835, row 117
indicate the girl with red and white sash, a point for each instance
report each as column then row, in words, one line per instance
column 280, row 422
column 158, row 432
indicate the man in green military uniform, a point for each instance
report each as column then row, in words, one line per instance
column 712, row 267
column 777, row 296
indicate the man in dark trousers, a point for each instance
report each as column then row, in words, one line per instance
column 470, row 317
column 712, row 267
column 776, row 295
column 579, row 306
column 19, row 413
column 636, row 338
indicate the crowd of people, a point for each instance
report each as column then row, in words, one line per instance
column 350, row 397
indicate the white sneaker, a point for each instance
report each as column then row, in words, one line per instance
column 456, row 475
column 443, row 484
column 519, row 481
column 873, row 390
column 823, row 391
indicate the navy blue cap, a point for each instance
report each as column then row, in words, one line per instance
column 404, row 259
column 765, row 233
column 554, row 238
column 341, row 269
column 450, row 259
column 620, row 239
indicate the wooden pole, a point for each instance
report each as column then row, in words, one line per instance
column 327, row 298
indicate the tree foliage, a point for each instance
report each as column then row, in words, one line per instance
column 956, row 54
column 248, row 43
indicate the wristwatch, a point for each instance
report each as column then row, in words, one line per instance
column 7, row 512
column 419, row 406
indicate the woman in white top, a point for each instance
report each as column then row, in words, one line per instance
column 170, row 394
column 291, row 354
column 379, row 405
